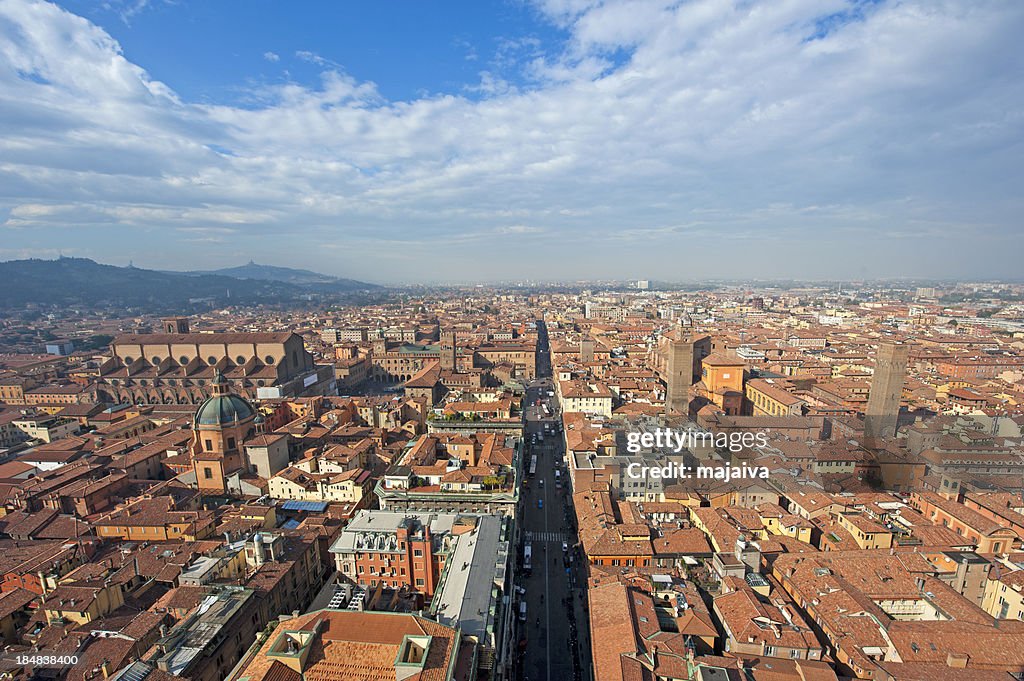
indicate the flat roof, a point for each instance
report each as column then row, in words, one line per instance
column 464, row 599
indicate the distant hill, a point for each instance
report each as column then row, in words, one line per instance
column 80, row 281
column 287, row 275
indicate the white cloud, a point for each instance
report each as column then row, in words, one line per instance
column 314, row 58
column 663, row 124
column 272, row 56
column 519, row 229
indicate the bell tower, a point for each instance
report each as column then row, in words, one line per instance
column 177, row 325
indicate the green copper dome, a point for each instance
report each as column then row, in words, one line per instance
column 223, row 410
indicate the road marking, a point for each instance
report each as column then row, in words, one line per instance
column 547, row 593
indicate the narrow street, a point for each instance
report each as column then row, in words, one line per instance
column 555, row 630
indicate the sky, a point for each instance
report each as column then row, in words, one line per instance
column 478, row 140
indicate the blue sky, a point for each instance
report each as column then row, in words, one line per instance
column 499, row 139
column 217, row 51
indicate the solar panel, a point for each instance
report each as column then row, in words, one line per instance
column 137, row 671
column 314, row 506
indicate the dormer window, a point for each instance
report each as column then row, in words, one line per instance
column 412, row 656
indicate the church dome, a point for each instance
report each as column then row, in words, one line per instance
column 223, row 410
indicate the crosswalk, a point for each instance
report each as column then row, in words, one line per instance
column 555, row 537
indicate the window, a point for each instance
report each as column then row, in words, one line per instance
column 417, row 552
column 209, row 445
column 795, row 654
column 419, row 581
column 240, row 360
column 208, row 473
column 183, row 360
column 269, row 359
column 231, row 443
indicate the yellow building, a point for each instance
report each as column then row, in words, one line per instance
column 1004, row 597
column 155, row 520
column 788, row 525
column 766, row 398
column 267, row 515
column 82, row 602
column 349, row 486
column 868, row 533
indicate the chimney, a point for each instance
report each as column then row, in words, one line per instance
column 957, row 660
column 259, row 556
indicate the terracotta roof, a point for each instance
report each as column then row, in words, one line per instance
column 200, row 338
column 356, row 646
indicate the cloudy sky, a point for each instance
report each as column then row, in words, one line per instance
column 500, row 139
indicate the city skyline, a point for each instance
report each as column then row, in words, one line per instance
column 492, row 483
column 520, row 140
column 511, row 340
